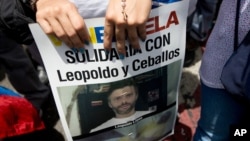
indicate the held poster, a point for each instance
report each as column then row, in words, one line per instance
column 102, row 97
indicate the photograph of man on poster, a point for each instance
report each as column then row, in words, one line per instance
column 122, row 97
column 87, row 107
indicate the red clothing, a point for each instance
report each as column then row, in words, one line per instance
column 17, row 117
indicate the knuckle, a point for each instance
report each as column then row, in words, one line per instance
column 57, row 10
column 107, row 35
column 79, row 26
column 108, row 17
column 71, row 33
column 137, row 22
column 48, row 31
column 60, row 34
column 38, row 16
column 121, row 23
column 132, row 23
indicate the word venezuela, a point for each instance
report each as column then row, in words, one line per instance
column 99, row 55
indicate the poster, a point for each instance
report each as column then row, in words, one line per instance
column 144, row 106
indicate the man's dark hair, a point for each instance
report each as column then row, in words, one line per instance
column 121, row 84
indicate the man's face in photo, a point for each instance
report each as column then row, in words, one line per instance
column 122, row 101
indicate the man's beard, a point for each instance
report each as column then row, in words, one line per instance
column 120, row 111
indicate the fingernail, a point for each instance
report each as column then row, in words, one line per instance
column 74, row 49
column 144, row 39
column 107, row 52
column 121, row 56
column 86, row 42
column 138, row 50
column 82, row 50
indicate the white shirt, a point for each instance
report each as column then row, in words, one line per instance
column 116, row 121
column 91, row 8
column 97, row 8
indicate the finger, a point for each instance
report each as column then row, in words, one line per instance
column 133, row 37
column 45, row 26
column 120, row 38
column 141, row 29
column 70, row 31
column 108, row 34
column 58, row 30
column 48, row 29
column 79, row 26
column 43, row 23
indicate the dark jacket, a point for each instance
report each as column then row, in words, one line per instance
column 15, row 15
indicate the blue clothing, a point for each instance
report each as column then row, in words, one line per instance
column 6, row 91
column 219, row 109
column 219, row 112
column 166, row 1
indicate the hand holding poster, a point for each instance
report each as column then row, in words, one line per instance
column 101, row 96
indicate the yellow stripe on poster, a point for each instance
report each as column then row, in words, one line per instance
column 92, row 35
column 55, row 40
